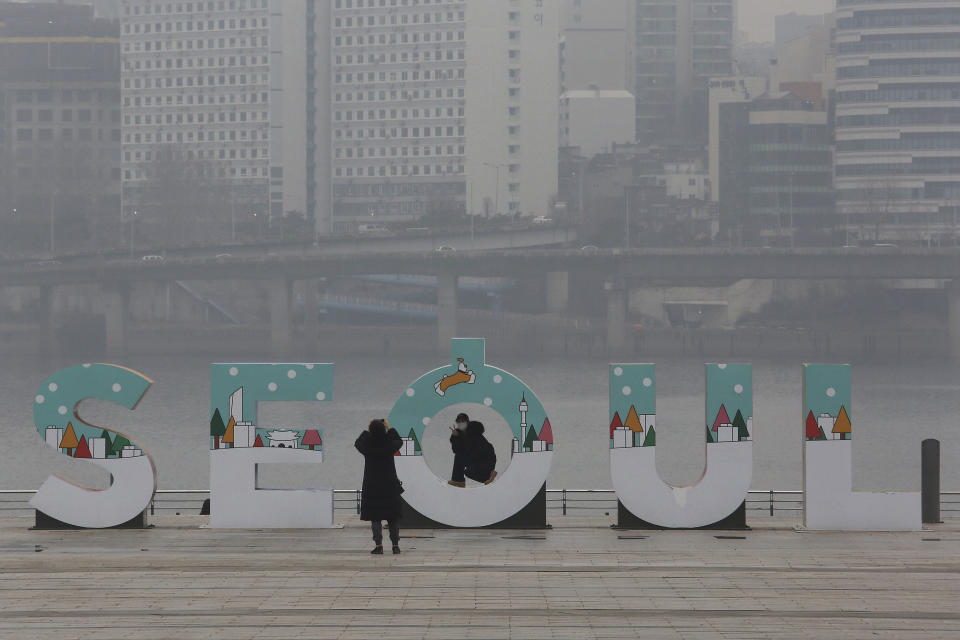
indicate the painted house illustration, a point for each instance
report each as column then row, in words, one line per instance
column 630, row 433
column 53, row 435
column 530, row 441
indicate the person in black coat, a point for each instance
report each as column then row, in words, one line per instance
column 380, row 498
column 474, row 456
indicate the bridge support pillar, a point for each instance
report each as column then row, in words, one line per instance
column 116, row 304
column 48, row 335
column 446, row 310
column 558, row 291
column 953, row 318
column 616, row 316
column 281, row 320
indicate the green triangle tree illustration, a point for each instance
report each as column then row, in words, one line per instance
column 108, row 441
column 416, row 441
column 710, row 435
column 217, row 428
column 651, row 439
column 118, row 444
column 531, row 438
column 741, row 425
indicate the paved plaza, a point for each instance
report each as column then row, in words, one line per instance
column 580, row 579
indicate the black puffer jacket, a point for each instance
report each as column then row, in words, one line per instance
column 480, row 455
column 380, row 499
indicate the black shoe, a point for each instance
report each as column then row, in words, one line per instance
column 378, row 550
column 396, row 549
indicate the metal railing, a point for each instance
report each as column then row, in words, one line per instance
column 772, row 502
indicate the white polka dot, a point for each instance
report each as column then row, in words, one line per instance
column 272, row 386
column 425, row 421
column 831, row 392
column 627, row 391
column 116, row 387
column 52, row 386
column 738, row 388
column 487, row 401
column 62, row 410
column 86, row 366
column 647, row 382
column 411, row 393
column 618, row 371
column 234, row 371
column 321, row 396
column 497, row 379
column 309, row 367
column 721, row 366
column 39, row 399
column 291, row 374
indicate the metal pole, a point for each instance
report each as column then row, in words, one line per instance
column 626, row 213
column 930, row 480
column 497, row 197
column 53, row 197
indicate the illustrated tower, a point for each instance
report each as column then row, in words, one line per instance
column 523, row 419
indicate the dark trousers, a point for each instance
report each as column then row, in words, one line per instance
column 461, row 471
column 377, row 527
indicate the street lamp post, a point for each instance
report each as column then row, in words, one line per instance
column 496, row 198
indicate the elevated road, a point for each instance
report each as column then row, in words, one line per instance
column 662, row 265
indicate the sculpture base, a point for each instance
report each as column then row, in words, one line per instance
column 735, row 521
column 44, row 522
column 532, row 516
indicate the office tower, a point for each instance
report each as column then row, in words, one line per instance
column 775, row 180
column 214, row 116
column 59, row 126
column 897, row 121
column 680, row 45
column 428, row 117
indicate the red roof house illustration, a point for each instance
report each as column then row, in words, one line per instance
column 258, row 442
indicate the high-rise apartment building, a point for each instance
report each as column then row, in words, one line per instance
column 441, row 107
column 399, row 100
column 59, row 126
column 898, row 120
column 214, row 114
column 680, row 45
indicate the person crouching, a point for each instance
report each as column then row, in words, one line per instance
column 474, row 456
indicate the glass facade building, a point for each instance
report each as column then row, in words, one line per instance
column 680, row 45
column 897, row 169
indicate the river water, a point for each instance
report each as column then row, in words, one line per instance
column 894, row 408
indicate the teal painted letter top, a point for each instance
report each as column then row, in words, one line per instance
column 468, row 379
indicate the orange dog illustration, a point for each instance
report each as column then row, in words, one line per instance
column 460, row 376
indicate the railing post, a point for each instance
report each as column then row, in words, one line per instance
column 771, row 503
column 152, row 500
column 563, row 501
column 358, row 501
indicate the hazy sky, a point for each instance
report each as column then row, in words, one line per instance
column 756, row 16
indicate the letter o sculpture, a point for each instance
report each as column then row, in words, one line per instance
column 470, row 380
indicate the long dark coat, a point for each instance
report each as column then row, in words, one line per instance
column 380, row 499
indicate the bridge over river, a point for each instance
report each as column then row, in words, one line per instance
column 617, row 269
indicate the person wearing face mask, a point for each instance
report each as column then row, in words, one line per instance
column 473, row 455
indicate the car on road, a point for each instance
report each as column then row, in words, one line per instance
column 223, row 256
column 542, row 220
column 590, row 247
column 152, row 258
column 445, row 248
